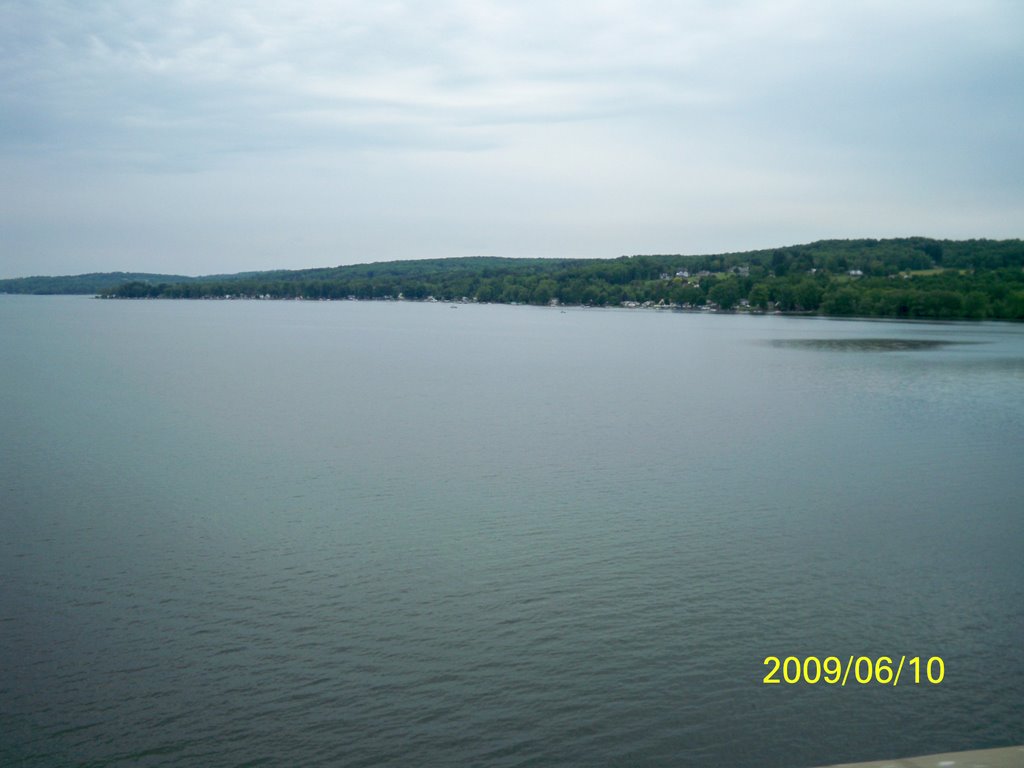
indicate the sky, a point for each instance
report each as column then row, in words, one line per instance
column 189, row 137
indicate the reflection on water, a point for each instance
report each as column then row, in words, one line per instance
column 869, row 345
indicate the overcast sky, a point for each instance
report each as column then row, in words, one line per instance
column 205, row 137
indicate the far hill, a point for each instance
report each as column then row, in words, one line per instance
column 92, row 283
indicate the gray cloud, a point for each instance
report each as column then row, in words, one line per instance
column 335, row 132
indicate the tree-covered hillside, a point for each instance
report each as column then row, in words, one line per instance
column 905, row 277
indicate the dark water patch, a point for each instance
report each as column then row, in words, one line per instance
column 869, row 345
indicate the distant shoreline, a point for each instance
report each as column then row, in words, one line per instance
column 899, row 278
column 563, row 307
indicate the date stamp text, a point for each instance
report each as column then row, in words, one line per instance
column 859, row 670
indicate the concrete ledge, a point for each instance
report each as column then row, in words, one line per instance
column 1007, row 757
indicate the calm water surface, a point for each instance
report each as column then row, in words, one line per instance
column 363, row 534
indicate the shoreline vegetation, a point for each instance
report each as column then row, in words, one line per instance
column 913, row 277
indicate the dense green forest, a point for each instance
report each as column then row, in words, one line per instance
column 905, row 277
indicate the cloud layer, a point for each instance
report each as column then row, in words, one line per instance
column 199, row 137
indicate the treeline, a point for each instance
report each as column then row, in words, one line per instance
column 89, row 284
column 904, row 277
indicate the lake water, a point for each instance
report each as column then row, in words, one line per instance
column 393, row 534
